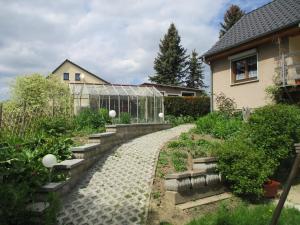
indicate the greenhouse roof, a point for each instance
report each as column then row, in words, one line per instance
column 110, row 89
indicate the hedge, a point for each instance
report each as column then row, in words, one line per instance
column 187, row 106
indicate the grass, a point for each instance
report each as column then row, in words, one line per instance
column 179, row 160
column 247, row 215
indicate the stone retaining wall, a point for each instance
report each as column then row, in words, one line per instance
column 86, row 155
column 203, row 181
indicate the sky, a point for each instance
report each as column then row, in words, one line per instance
column 115, row 39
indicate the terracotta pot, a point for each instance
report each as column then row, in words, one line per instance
column 271, row 188
column 297, row 81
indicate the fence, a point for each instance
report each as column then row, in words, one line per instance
column 22, row 121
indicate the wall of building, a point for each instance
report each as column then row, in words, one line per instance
column 248, row 94
column 72, row 69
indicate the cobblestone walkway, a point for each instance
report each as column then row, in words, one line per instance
column 116, row 190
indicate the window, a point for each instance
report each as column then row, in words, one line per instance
column 66, row 76
column 244, row 69
column 77, row 76
column 188, row 93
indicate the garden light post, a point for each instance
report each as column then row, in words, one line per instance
column 112, row 114
column 161, row 115
column 49, row 161
column 287, row 187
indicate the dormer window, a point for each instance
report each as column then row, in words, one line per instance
column 66, row 76
column 77, row 76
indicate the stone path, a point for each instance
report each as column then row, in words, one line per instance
column 117, row 189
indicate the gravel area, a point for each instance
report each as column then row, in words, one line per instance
column 117, row 189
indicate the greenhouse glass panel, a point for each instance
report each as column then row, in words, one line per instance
column 142, row 103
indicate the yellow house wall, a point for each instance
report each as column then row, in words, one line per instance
column 253, row 94
column 72, row 69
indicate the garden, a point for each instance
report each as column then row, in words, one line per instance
column 251, row 150
column 36, row 121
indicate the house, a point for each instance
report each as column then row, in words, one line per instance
column 70, row 72
column 262, row 49
column 170, row 90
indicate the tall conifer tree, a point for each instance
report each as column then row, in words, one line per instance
column 232, row 15
column 195, row 73
column 170, row 64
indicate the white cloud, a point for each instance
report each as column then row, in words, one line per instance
column 115, row 39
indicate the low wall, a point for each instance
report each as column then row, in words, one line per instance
column 86, row 155
column 203, row 181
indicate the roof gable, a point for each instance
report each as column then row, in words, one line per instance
column 272, row 17
column 74, row 64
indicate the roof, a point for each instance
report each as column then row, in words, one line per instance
column 113, row 90
column 69, row 61
column 170, row 86
column 269, row 18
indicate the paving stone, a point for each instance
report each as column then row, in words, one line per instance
column 117, row 189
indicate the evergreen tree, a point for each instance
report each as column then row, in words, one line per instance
column 195, row 75
column 232, row 15
column 170, row 64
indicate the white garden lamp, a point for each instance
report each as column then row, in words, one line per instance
column 112, row 113
column 161, row 115
column 49, row 160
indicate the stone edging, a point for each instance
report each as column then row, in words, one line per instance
column 86, row 155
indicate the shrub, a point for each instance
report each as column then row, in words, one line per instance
column 187, row 106
column 23, row 174
column 125, row 118
column 274, row 129
column 175, row 121
column 56, row 126
column 257, row 151
column 218, row 125
column 89, row 118
column 225, row 104
column 247, row 215
column 245, row 168
column 104, row 113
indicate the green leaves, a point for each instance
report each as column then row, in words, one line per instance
column 195, row 75
column 170, row 64
column 232, row 15
column 219, row 125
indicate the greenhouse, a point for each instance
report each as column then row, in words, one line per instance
column 143, row 104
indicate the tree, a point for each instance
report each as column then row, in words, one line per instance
column 232, row 15
column 195, row 75
column 170, row 64
column 38, row 93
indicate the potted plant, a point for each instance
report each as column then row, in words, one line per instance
column 271, row 188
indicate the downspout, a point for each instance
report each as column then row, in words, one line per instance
column 211, row 89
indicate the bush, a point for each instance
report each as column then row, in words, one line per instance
column 274, row 129
column 245, row 168
column 89, row 118
column 225, row 104
column 23, row 174
column 254, row 154
column 175, row 121
column 104, row 113
column 56, row 126
column 219, row 125
column 187, row 106
column 247, row 215
column 125, row 118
